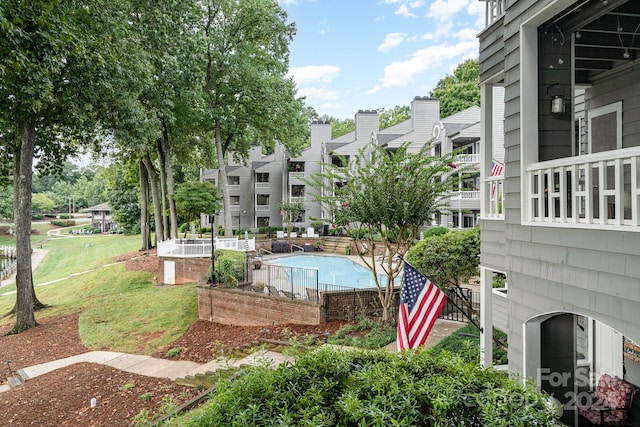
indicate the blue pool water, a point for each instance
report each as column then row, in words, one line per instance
column 332, row 270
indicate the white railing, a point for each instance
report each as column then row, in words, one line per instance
column 465, row 195
column 201, row 248
column 297, row 199
column 234, row 208
column 262, row 208
column 599, row 190
column 494, row 9
column 493, row 190
column 298, row 175
column 262, row 185
column 468, row 158
column 233, row 186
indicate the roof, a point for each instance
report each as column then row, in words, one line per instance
column 101, row 207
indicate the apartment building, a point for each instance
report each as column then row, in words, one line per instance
column 563, row 223
column 258, row 185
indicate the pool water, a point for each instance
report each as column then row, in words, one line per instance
column 332, row 270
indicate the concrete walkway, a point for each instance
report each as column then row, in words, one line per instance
column 145, row 365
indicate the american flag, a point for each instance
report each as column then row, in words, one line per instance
column 496, row 168
column 420, row 305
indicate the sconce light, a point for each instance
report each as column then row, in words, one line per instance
column 557, row 101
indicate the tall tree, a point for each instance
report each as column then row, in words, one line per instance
column 62, row 68
column 389, row 195
column 249, row 99
column 397, row 114
column 460, row 90
column 194, row 198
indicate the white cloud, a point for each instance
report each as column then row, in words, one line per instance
column 314, row 73
column 442, row 29
column 443, row 10
column 392, row 40
column 287, row 2
column 467, row 34
column 403, row 73
column 322, row 93
column 403, row 10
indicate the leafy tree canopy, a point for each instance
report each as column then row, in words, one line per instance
column 194, row 198
column 460, row 90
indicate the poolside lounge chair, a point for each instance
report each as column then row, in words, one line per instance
column 290, row 295
column 273, row 290
column 312, row 295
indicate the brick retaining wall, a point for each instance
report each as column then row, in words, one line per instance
column 187, row 270
column 246, row 308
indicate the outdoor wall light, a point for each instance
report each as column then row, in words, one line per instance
column 557, row 100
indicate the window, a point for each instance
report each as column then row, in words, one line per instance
column 296, row 167
column 233, row 180
column 297, row 190
column 262, row 199
column 340, row 161
column 235, row 200
column 262, row 177
column 262, row 221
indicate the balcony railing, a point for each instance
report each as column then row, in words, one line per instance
column 493, row 190
column 201, row 248
column 468, row 158
column 465, row 195
column 234, row 208
column 262, row 185
column 597, row 190
column 294, row 199
column 262, row 208
column 297, row 175
column 494, row 9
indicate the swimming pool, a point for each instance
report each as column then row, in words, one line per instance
column 332, row 270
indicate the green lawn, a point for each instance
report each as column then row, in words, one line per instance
column 118, row 310
column 39, row 235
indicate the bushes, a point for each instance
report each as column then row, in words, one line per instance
column 63, row 222
column 466, row 343
column 374, row 388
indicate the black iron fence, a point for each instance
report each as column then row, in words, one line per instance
column 339, row 302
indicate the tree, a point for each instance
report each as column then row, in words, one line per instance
column 460, row 90
column 248, row 96
column 195, row 198
column 388, row 196
column 394, row 116
column 40, row 203
column 65, row 65
column 339, row 127
column 290, row 212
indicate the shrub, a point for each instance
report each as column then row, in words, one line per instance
column 374, row 388
column 174, row 352
column 466, row 343
column 378, row 334
column 435, row 231
column 63, row 222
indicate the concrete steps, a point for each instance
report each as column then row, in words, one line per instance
column 336, row 245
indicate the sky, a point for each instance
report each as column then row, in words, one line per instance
column 350, row 55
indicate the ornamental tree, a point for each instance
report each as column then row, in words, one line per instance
column 194, row 198
column 388, row 196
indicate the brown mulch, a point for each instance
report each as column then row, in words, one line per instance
column 62, row 397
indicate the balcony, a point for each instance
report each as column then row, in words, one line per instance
column 468, row 159
column 296, row 175
column 493, row 189
column 594, row 191
column 465, row 195
column 494, row 10
column 262, row 185
column 201, row 248
column 299, row 199
column 262, row 208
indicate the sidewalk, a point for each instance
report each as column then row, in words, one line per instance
column 144, row 365
column 36, row 257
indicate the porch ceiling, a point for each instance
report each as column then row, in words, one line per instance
column 606, row 34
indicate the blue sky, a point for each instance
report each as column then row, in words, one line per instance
column 349, row 55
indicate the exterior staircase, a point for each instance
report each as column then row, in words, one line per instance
column 337, row 245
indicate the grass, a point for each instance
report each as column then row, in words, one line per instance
column 41, row 227
column 118, row 310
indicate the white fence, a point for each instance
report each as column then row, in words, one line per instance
column 200, row 248
column 8, row 261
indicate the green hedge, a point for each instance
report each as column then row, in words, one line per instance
column 63, row 222
column 335, row 387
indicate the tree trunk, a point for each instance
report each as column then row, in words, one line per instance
column 163, row 191
column 25, row 317
column 157, row 209
column 169, row 170
column 144, row 207
column 222, row 184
